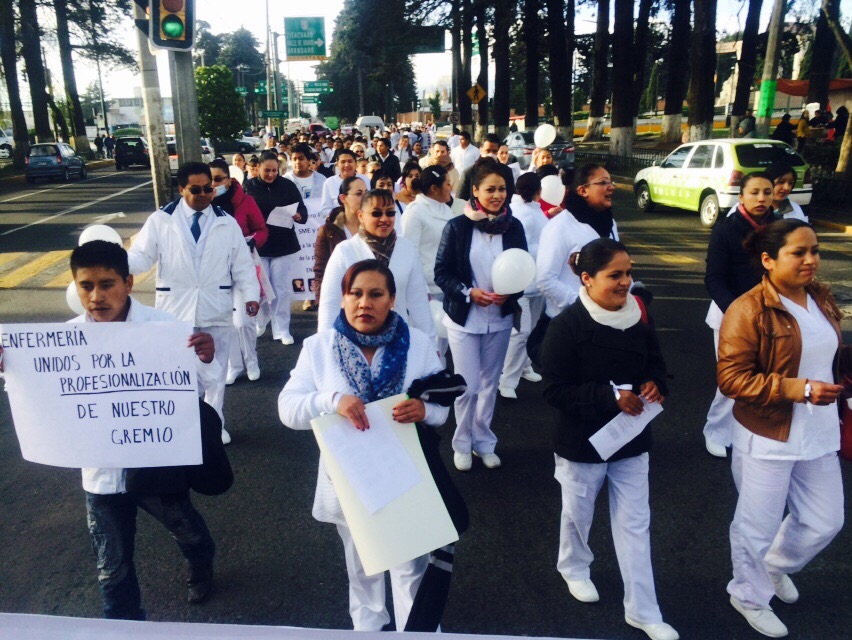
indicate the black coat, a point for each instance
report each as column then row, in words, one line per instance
column 452, row 265
column 579, row 358
column 390, row 165
column 730, row 272
column 279, row 193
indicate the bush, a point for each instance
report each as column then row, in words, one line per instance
column 822, row 156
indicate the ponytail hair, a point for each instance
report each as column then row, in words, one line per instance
column 595, row 256
column 432, row 176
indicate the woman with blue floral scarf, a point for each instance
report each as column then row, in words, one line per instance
column 370, row 354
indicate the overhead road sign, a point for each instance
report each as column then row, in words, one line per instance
column 304, row 39
column 318, row 86
column 265, row 113
column 310, row 99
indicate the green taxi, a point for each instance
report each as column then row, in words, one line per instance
column 705, row 176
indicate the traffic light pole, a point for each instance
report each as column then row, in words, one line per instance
column 156, row 127
column 185, row 106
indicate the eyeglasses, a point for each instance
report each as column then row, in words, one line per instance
column 600, row 183
column 379, row 214
column 197, row 191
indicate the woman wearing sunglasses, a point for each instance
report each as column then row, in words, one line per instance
column 378, row 240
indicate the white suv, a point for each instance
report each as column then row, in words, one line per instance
column 7, row 143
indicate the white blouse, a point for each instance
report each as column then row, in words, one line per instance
column 814, row 431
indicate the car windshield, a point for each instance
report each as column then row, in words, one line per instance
column 41, row 150
column 764, row 154
column 129, row 144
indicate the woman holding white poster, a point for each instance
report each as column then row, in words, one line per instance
column 601, row 359
column 369, row 354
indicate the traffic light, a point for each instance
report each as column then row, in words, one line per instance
column 331, row 87
column 172, row 24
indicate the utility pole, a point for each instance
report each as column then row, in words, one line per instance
column 269, row 74
column 185, row 105
column 156, row 127
column 101, row 92
column 276, row 73
column 769, row 82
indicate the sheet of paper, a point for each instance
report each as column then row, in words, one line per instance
column 374, row 461
column 409, row 526
column 622, row 429
column 283, row 216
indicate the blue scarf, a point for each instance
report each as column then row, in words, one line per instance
column 394, row 337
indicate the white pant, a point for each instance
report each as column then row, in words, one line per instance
column 478, row 358
column 516, row 357
column 215, row 394
column 367, row 593
column 243, row 351
column 630, row 516
column 761, row 544
column 719, row 427
column 278, row 270
column 443, row 343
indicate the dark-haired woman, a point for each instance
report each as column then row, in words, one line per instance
column 730, row 273
column 271, row 191
column 408, row 191
column 599, row 359
column 781, row 357
column 783, row 177
column 478, row 320
column 588, row 216
column 370, row 353
column 377, row 239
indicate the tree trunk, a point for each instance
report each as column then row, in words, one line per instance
column 623, row 64
column 531, row 42
column 769, row 79
column 831, row 9
column 597, row 100
column 560, row 61
column 7, row 53
column 81, row 140
column 482, row 79
column 571, row 44
column 502, row 74
column 746, row 65
column 457, row 53
column 31, row 49
column 703, row 70
column 822, row 53
column 640, row 48
column 678, row 64
column 465, row 81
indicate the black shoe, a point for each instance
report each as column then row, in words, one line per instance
column 200, row 585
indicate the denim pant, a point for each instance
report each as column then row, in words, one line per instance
column 112, row 525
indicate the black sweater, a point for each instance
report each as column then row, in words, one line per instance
column 579, row 358
column 279, row 193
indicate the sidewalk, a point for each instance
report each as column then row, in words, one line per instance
column 830, row 218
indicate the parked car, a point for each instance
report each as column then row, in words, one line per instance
column 364, row 122
column 130, row 151
column 521, row 144
column 53, row 160
column 207, row 150
column 705, row 176
column 174, row 161
column 244, row 145
column 7, row 143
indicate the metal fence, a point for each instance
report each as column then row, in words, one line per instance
column 621, row 165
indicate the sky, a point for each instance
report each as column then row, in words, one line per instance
column 432, row 70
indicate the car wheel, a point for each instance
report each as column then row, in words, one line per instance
column 643, row 198
column 83, row 172
column 66, row 175
column 709, row 210
column 117, row 167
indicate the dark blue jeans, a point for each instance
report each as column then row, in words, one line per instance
column 112, row 525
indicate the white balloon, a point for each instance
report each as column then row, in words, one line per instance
column 438, row 317
column 552, row 190
column 236, row 173
column 73, row 299
column 544, row 136
column 512, row 272
column 99, row 232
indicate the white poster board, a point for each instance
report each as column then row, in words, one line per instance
column 103, row 394
column 409, row 525
column 302, row 272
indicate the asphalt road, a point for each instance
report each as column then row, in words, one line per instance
column 277, row 566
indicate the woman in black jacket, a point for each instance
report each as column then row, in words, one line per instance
column 270, row 191
column 478, row 321
column 600, row 358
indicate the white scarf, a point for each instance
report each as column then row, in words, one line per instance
column 622, row 319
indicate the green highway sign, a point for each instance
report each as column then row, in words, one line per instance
column 243, row 91
column 310, row 99
column 304, row 38
column 264, row 113
column 427, row 40
column 318, row 86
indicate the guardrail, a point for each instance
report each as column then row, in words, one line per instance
column 829, row 189
column 623, row 165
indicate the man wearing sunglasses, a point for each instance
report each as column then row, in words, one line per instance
column 200, row 256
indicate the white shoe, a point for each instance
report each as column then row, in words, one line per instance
column 287, row 340
column 508, row 393
column 530, row 375
column 784, row 588
column 761, row 620
column 490, row 460
column 715, row 449
column 583, row 590
column 232, row 376
column 463, row 461
column 655, row 630
column 252, row 372
column 226, row 437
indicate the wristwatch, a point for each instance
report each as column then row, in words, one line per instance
column 808, row 389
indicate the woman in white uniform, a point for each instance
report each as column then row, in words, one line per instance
column 780, row 356
column 369, row 354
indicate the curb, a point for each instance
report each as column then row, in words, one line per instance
column 94, row 164
column 833, row 226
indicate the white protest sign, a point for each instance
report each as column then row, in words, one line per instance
column 109, row 394
column 302, row 271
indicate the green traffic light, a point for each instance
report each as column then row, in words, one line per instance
column 173, row 27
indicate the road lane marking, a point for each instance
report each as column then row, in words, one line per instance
column 6, row 258
column 78, row 207
column 33, row 268
column 61, row 281
column 676, row 259
column 62, row 186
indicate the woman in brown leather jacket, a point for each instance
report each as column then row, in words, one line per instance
column 780, row 354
